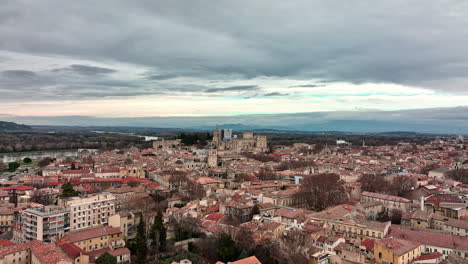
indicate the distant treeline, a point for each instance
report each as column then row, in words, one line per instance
column 330, row 139
column 34, row 141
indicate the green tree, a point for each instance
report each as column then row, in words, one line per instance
column 140, row 248
column 68, row 191
column 227, row 250
column 12, row 166
column 106, row 258
column 27, row 160
column 158, row 234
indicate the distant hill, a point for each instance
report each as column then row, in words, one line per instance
column 10, row 126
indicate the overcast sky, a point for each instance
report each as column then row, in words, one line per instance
column 203, row 58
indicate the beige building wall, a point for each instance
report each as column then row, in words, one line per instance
column 21, row 257
column 90, row 211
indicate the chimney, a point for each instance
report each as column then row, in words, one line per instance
column 422, row 203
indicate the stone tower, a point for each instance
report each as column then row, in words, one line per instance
column 213, row 158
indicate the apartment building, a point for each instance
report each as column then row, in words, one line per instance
column 89, row 211
column 46, row 223
column 389, row 201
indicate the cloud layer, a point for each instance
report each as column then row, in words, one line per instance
column 167, row 58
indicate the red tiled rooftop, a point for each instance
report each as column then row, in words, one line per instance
column 386, row 197
column 72, row 250
column 215, row 217
column 429, row 256
column 368, row 243
column 5, row 243
column 18, row 188
column 89, row 233
column 74, row 171
column 249, row 260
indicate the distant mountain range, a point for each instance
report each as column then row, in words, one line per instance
column 11, row 126
column 451, row 120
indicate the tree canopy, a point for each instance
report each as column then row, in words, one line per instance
column 68, row 191
column 227, row 250
column 106, row 258
column 12, row 166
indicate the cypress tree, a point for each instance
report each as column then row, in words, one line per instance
column 140, row 242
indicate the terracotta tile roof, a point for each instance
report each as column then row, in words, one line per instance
column 398, row 246
column 215, row 217
column 429, row 256
column 214, row 208
column 89, row 233
column 429, row 238
column 18, row 188
column 5, row 243
column 386, row 197
column 72, row 250
column 44, row 252
column 249, row 260
column 369, row 244
column 75, row 171
column 49, row 253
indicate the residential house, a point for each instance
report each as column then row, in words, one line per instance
column 396, row 251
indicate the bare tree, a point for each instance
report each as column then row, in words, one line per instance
column 195, row 191
column 266, row 174
column 429, row 167
column 41, row 197
column 402, row 185
column 460, row 175
column 244, row 239
column 44, row 162
column 320, row 191
column 297, row 243
column 372, row 183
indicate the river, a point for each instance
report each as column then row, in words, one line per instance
column 37, row 155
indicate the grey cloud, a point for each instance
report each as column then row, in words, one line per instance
column 416, row 42
column 233, row 88
column 90, row 70
column 162, row 77
column 275, row 94
column 307, row 86
column 19, row 74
